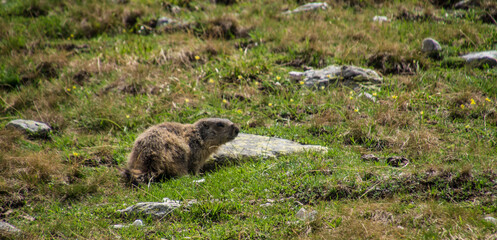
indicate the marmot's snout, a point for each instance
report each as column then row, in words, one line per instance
column 234, row 131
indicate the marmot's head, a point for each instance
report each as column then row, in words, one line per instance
column 216, row 131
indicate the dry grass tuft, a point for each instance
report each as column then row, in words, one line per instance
column 393, row 64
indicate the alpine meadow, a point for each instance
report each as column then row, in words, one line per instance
column 396, row 101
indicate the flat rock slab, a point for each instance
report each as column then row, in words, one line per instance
column 33, row 128
column 478, row 59
column 348, row 75
column 154, row 209
column 256, row 146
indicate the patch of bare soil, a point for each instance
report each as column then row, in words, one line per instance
column 225, row 27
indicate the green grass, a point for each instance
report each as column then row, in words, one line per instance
column 83, row 68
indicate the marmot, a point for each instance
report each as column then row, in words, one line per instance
column 173, row 149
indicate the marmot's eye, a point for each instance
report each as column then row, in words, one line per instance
column 221, row 125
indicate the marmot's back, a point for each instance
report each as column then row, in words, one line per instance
column 173, row 149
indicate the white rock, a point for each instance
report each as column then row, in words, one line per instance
column 380, row 19
column 138, row 223
column 481, row 58
column 308, row 7
column 199, row 181
column 305, row 215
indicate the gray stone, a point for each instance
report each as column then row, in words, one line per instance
column 348, row 75
column 478, row 59
column 305, row 215
column 430, row 45
column 308, row 7
column 8, row 231
column 256, row 146
column 155, row 209
column 170, row 25
column 30, row 127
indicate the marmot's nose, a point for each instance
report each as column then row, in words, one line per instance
column 236, row 130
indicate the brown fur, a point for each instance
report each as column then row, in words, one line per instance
column 173, row 149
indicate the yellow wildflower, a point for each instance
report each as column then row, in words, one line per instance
column 278, row 78
column 127, row 116
column 187, row 100
column 473, row 102
column 301, row 82
column 467, row 126
column 75, row 154
column 374, row 94
column 240, row 77
column 322, row 87
column 291, row 99
column 270, row 104
column 462, row 106
column 351, row 97
column 394, row 96
column 73, row 87
column 211, row 80
column 488, row 100
column 72, row 35
column 239, row 111
column 224, row 101
column 422, row 112
column 328, row 76
column 356, row 110
column 197, row 58
column 68, row 89
column 256, row 83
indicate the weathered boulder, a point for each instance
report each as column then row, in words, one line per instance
column 154, row 209
column 30, row 127
column 347, row 75
column 256, row 146
column 308, row 7
column 430, row 45
column 8, row 231
column 479, row 59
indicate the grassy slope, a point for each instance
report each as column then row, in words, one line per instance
column 82, row 68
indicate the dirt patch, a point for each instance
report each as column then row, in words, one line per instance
column 304, row 59
column 489, row 16
column 391, row 64
column 130, row 18
column 225, row 27
column 81, row 77
column 357, row 136
column 408, row 15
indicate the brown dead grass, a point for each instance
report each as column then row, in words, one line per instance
column 22, row 171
